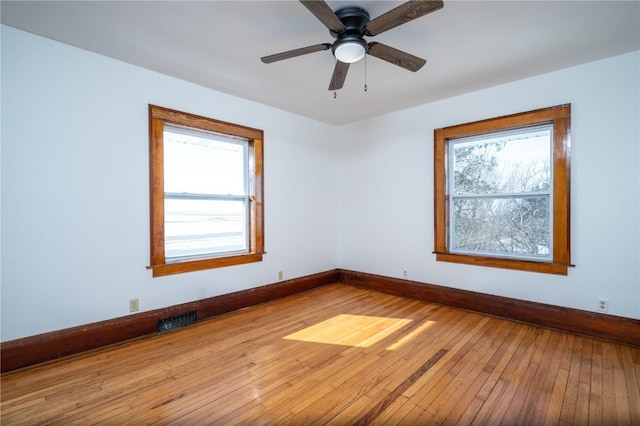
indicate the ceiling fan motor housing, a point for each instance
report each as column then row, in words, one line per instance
column 354, row 20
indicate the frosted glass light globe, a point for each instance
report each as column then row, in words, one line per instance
column 349, row 52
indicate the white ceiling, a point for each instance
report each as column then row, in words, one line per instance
column 468, row 45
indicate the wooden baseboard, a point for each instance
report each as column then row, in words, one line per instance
column 45, row 347
column 592, row 324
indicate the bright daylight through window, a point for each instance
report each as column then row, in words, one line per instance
column 502, row 192
column 206, row 193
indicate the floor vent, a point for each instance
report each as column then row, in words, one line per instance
column 176, row 321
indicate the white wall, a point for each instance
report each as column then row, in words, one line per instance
column 75, row 215
column 74, row 176
column 386, row 183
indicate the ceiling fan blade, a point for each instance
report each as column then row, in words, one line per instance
column 323, row 12
column 295, row 52
column 402, row 14
column 396, row 57
column 339, row 75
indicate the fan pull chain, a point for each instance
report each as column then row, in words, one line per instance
column 335, row 94
column 365, row 72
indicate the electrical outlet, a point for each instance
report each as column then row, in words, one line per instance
column 133, row 305
column 603, row 304
column 280, row 275
column 404, row 273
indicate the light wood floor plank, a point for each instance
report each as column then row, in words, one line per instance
column 468, row 375
column 542, row 389
column 527, row 383
column 633, row 385
column 623, row 413
column 498, row 402
column 584, row 385
column 468, row 384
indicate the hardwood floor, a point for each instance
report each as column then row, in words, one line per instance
column 338, row 355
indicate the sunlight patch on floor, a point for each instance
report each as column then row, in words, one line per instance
column 350, row 330
column 407, row 337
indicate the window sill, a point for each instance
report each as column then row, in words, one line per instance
column 203, row 264
column 498, row 262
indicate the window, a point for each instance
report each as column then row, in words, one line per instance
column 502, row 191
column 206, row 192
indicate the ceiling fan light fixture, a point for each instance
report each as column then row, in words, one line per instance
column 350, row 49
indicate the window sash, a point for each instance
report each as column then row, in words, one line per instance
column 212, row 235
column 511, row 135
column 183, row 239
column 544, row 257
column 209, row 141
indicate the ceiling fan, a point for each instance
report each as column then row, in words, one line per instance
column 350, row 25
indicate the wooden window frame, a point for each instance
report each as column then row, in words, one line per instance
column 158, row 116
column 560, row 118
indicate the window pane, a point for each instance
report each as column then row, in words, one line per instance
column 503, row 226
column 197, row 227
column 203, row 163
column 508, row 162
